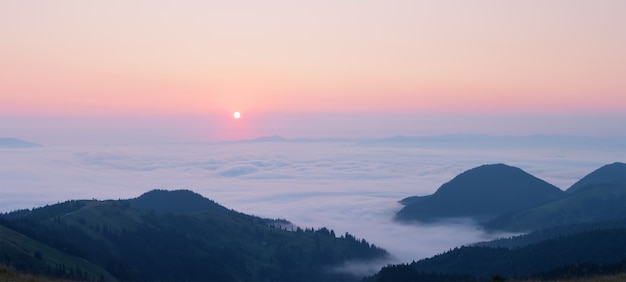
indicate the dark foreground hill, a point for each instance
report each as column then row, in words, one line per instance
column 481, row 193
column 158, row 236
column 584, row 254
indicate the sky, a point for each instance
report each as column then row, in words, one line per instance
column 95, row 81
column 81, row 70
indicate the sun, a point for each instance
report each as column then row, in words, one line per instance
column 236, row 115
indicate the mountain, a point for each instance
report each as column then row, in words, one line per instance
column 614, row 173
column 17, row 143
column 576, row 234
column 280, row 139
column 598, row 197
column 176, row 202
column 579, row 255
column 482, row 141
column 172, row 235
column 481, row 193
column 273, row 138
column 551, row 232
column 589, row 205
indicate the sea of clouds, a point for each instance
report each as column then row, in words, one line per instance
column 342, row 185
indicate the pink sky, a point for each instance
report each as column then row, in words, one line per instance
column 172, row 58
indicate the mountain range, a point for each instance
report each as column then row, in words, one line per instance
column 181, row 235
column 577, row 233
column 171, row 235
column 599, row 196
column 474, row 141
column 501, row 197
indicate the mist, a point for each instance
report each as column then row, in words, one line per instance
column 339, row 185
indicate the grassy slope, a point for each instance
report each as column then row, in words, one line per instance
column 17, row 245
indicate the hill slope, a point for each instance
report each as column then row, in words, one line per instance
column 24, row 253
column 203, row 242
column 598, row 197
column 580, row 254
column 176, row 202
column 614, row 173
column 483, row 192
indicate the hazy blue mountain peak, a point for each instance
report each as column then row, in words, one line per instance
column 272, row 138
column 17, row 143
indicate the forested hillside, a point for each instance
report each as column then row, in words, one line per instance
column 120, row 241
column 585, row 253
column 576, row 234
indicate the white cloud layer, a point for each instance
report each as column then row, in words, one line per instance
column 339, row 185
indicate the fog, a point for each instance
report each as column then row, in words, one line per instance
column 339, row 185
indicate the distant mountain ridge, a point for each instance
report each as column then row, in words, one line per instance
column 478, row 141
column 474, row 141
column 483, row 192
column 17, row 143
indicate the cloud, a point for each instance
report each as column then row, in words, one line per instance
column 341, row 186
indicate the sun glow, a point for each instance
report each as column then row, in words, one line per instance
column 236, row 115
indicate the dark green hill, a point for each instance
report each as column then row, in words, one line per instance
column 165, row 241
column 593, row 252
column 614, row 173
column 482, row 193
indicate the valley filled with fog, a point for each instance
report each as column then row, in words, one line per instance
column 345, row 185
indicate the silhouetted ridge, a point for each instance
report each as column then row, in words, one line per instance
column 610, row 174
column 482, row 192
column 176, row 202
column 599, row 251
column 91, row 240
column 598, row 197
column 273, row 138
